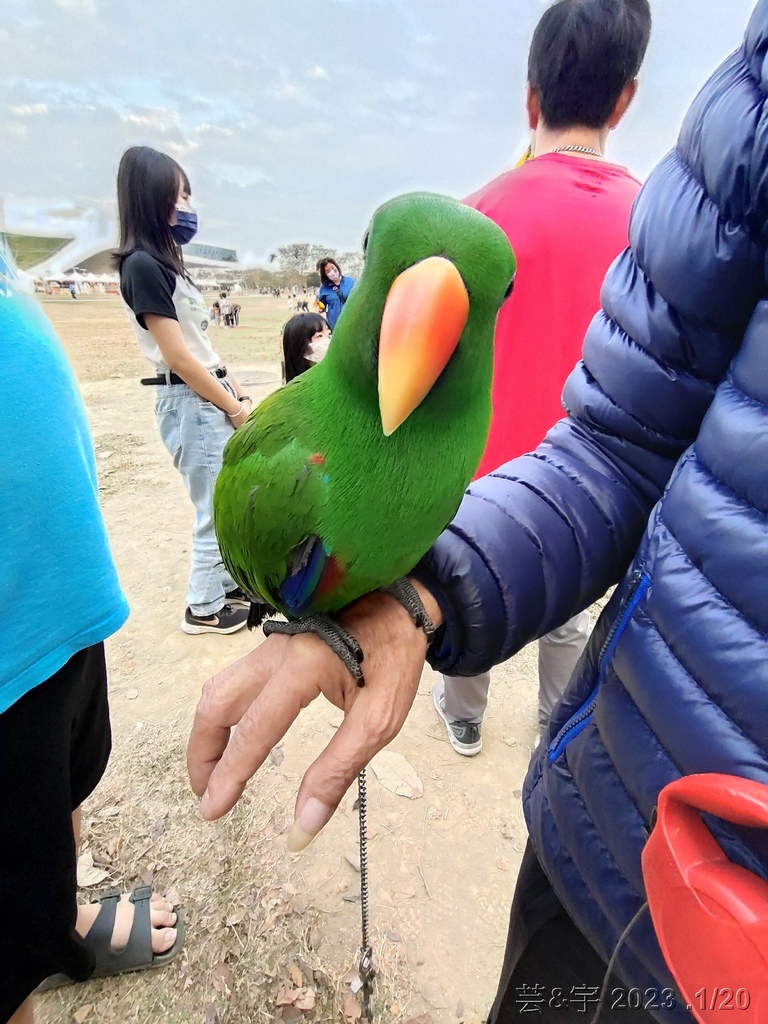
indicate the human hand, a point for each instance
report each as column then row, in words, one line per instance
column 264, row 692
column 246, row 408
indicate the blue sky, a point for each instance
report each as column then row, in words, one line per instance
column 296, row 118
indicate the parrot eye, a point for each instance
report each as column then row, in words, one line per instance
column 509, row 290
column 365, row 241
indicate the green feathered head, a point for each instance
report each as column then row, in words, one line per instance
column 435, row 271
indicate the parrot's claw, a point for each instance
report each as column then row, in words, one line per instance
column 331, row 633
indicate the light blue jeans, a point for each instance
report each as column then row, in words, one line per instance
column 194, row 432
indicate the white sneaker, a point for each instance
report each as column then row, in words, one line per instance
column 464, row 737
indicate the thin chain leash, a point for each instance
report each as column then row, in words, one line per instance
column 366, row 953
column 404, row 592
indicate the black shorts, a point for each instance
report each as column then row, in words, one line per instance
column 54, row 746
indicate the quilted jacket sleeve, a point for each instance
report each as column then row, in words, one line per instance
column 545, row 535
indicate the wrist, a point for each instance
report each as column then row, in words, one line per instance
column 236, row 412
column 429, row 601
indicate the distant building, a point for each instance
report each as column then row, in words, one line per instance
column 90, row 250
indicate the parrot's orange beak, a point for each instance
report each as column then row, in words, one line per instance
column 424, row 315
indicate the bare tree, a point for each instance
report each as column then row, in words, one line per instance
column 352, row 263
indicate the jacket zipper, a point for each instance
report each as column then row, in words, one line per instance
column 639, row 584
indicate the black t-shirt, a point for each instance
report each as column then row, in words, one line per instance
column 147, row 286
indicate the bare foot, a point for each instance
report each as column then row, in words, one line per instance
column 161, row 916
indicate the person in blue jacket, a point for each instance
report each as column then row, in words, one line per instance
column 656, row 481
column 334, row 289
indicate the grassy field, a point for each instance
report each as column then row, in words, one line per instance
column 101, row 344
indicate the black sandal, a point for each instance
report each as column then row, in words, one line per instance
column 137, row 953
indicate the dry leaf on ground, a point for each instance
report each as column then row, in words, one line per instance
column 87, row 873
column 221, row 979
column 286, row 994
column 131, row 694
column 109, row 812
column 403, row 891
column 79, row 1015
column 351, row 1009
column 397, row 774
column 305, row 999
column 211, row 1014
column 276, row 756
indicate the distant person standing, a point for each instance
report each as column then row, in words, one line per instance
column 225, row 308
column 566, row 213
column 198, row 402
column 334, row 289
column 72, row 289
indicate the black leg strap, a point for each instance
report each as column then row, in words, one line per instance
column 331, row 633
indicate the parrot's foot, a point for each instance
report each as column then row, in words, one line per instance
column 331, row 633
column 404, row 591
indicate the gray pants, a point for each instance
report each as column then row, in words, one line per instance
column 466, row 697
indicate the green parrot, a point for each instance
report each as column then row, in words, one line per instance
column 338, row 483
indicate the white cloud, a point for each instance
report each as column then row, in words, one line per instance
column 84, row 6
column 318, row 72
column 182, row 149
column 30, row 109
column 161, row 118
column 243, row 175
column 213, row 129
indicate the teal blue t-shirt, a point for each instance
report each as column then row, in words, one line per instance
column 59, row 590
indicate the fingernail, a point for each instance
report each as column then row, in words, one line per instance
column 204, row 804
column 312, row 816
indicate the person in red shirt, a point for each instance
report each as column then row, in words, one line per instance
column 566, row 213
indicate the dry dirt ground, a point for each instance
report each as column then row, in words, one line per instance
column 264, row 925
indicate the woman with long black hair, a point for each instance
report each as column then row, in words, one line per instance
column 198, row 403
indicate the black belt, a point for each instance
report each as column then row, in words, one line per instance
column 174, row 378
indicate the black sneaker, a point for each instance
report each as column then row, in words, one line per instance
column 464, row 736
column 226, row 620
column 237, row 598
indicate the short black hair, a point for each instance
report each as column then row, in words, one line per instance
column 582, row 55
column 297, row 334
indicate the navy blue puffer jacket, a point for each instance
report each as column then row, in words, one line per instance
column 657, row 480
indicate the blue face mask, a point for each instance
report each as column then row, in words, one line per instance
column 185, row 228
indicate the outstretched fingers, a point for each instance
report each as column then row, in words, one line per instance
column 225, row 699
column 264, row 723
